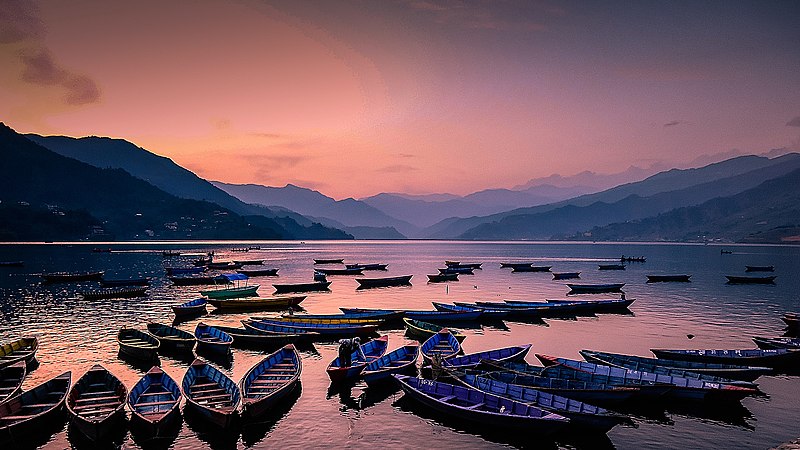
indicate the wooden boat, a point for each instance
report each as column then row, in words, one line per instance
column 11, row 378
column 759, row 268
column 116, row 292
column 155, row 401
column 445, row 316
column 308, row 319
column 679, row 387
column 457, row 265
column 457, row 270
column 248, row 262
column 486, row 313
column 779, row 342
column 725, row 252
column 707, row 371
column 194, row 281
column 95, row 401
column 125, row 282
column 625, row 259
column 791, row 320
column 585, row 391
column 481, row 407
column 451, row 263
column 750, row 280
column 190, row 308
column 224, row 265
column 535, row 309
column 566, row 275
column 259, row 272
column 211, row 393
column 440, row 346
column 66, row 277
column 23, row 349
column 611, row 266
column 245, row 337
column 170, row 253
column 668, row 278
column 240, row 250
column 272, row 329
column 254, row 303
column 357, row 313
column 172, row 338
column 301, row 287
column 442, row 277
column 367, row 283
column 581, row 415
column 423, row 330
column 373, row 350
column 531, row 268
column 515, row 353
column 598, row 306
column 776, row 358
column 138, row 344
column 594, row 288
column 271, row 380
column 319, row 276
column 234, row 292
column 367, row 266
column 325, row 329
column 185, row 270
column 344, row 271
column 12, row 263
column 212, row 339
column 515, row 264
column 401, row 360
column 26, row 413
column 329, row 261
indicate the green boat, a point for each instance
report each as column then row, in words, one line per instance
column 233, row 292
column 423, row 330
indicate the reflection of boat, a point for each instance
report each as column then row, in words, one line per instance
column 211, row 393
column 364, row 283
column 372, row 350
column 95, row 401
column 65, row 277
column 272, row 379
column 566, row 275
column 481, row 407
column 750, row 280
column 594, row 288
column 20, row 350
column 442, row 277
column 668, row 278
column 196, row 306
column 138, row 344
column 155, row 401
column 301, row 287
column 759, row 268
column 750, row 357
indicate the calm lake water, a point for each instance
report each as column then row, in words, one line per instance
column 75, row 334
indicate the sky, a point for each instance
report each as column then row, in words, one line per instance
column 359, row 97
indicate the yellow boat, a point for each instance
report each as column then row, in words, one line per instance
column 257, row 302
column 316, row 320
column 20, row 350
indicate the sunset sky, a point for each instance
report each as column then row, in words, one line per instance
column 359, row 97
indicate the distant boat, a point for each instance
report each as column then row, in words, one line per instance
column 457, row 270
column 256, row 303
column 759, row 268
column 442, row 277
column 595, row 288
column 190, row 308
column 95, row 401
column 329, row 261
column 115, row 292
column 170, row 253
column 101, row 250
column 155, row 401
column 524, row 268
column 515, row 264
column 125, row 282
column 138, row 344
column 172, row 338
column 725, row 252
column 66, row 277
column 366, row 283
column 668, row 278
column 460, row 265
column 302, row 287
column 611, row 266
column 270, row 380
column 248, row 262
column 211, row 393
column 750, row 280
column 625, row 259
column 367, row 266
column 240, row 250
column 566, row 275
column 224, row 265
column 345, row 271
column 259, row 272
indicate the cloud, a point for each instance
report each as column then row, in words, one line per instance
column 794, row 122
column 19, row 21
column 40, row 68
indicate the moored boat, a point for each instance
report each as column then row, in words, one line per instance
column 95, row 402
column 424, row 330
column 254, row 303
column 458, row 264
column 366, row 283
column 246, row 337
column 248, row 262
column 775, row 358
column 486, row 313
column 190, row 308
column 598, row 306
column 211, row 393
column 232, row 292
column 611, row 266
column 440, row 346
column 374, row 266
column 594, row 288
column 514, row 353
column 779, row 342
column 457, row 270
column 401, row 360
column 259, row 272
column 792, row 321
column 325, row 329
column 66, row 277
column 185, row 270
column 358, row 313
column 125, row 282
column 372, row 350
column 115, row 292
column 270, row 380
column 224, row 265
column 23, row 349
column 278, row 330
column 212, row 339
column 481, row 407
column 625, row 259
column 329, row 261
column 27, row 412
column 309, row 319
column 515, row 264
column 171, row 338
column 584, row 391
column 566, row 275
column 759, row 268
column 531, row 268
column 442, row 277
column 345, row 271
column 445, row 316
column 138, row 344
column 154, row 401
column 301, row 287
column 194, row 280
column 750, row 280
column 11, row 378
column 668, row 278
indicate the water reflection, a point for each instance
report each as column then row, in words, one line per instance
column 214, row 436
column 113, row 440
column 138, row 364
column 143, row 436
column 256, row 429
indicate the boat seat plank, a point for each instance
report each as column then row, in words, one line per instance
column 95, row 393
column 475, row 406
column 202, row 385
column 95, row 399
column 97, row 405
column 447, row 399
column 212, row 397
column 37, row 405
column 18, row 417
column 150, row 394
column 146, row 404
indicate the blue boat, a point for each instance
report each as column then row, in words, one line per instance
column 599, row 306
column 212, row 339
column 480, row 407
column 211, row 393
column 679, row 387
column 773, row 343
column 444, row 316
column 441, row 345
column 373, row 350
column 278, row 330
column 718, row 373
column 271, row 380
column 532, row 310
column 487, row 313
column 155, row 401
column 402, row 360
column 190, row 308
column 515, row 353
column 776, row 358
column 355, row 313
column 326, row 329
column 580, row 414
